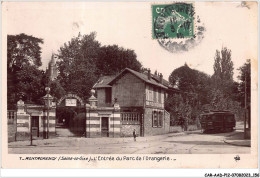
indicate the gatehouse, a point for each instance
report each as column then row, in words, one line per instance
column 128, row 102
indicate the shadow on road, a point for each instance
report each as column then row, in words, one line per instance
column 197, row 142
column 212, row 133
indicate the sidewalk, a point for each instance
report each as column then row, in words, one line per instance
column 81, row 141
column 238, row 140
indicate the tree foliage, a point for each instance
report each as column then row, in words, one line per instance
column 193, row 86
column 23, row 62
column 201, row 92
column 191, row 81
column 30, row 82
column 83, row 60
column 223, row 86
column 245, row 83
column 77, row 69
column 23, row 50
column 223, row 70
column 113, row 59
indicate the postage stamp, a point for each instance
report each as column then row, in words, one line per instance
column 173, row 20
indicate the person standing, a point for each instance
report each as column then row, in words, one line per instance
column 134, row 135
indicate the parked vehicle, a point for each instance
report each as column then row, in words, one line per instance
column 217, row 121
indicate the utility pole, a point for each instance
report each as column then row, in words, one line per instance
column 31, row 130
column 245, row 110
column 48, row 116
column 48, row 99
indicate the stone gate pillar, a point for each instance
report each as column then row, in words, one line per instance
column 23, row 122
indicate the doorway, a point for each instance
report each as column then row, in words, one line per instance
column 70, row 121
column 35, row 125
column 104, row 127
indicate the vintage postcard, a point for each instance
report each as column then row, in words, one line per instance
column 130, row 84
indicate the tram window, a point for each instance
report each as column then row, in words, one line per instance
column 230, row 118
column 214, row 118
column 204, row 118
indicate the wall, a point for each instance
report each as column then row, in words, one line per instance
column 24, row 121
column 127, row 130
column 93, row 128
column 52, row 122
column 129, row 91
column 93, row 122
column 148, row 127
column 167, row 121
column 101, row 96
column 174, row 129
column 115, row 125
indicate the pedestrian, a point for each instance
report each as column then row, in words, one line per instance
column 134, row 135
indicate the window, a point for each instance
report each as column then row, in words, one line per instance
column 130, row 118
column 108, row 92
column 154, row 94
column 162, row 97
column 147, row 93
column 230, row 118
column 160, row 119
column 155, row 123
column 150, row 94
column 157, row 118
column 159, row 97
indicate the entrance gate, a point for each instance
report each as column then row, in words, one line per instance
column 35, row 125
column 104, row 127
column 70, row 116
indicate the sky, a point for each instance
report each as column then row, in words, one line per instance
column 129, row 25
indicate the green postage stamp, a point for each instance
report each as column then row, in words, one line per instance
column 173, row 20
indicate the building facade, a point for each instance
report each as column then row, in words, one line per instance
column 141, row 98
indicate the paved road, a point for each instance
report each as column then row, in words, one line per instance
column 184, row 143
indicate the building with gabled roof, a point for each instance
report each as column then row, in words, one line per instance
column 141, row 97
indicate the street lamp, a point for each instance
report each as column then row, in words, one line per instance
column 116, row 107
column 245, row 110
column 47, row 101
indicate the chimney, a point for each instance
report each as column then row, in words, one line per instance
column 161, row 78
column 149, row 74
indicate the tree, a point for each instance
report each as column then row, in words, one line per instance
column 245, row 88
column 77, row 64
column 191, row 81
column 224, row 91
column 30, row 82
column 23, row 61
column 113, row 59
column 193, row 94
column 57, row 91
column 223, row 86
column 245, row 81
column 23, row 50
column 223, row 71
column 83, row 60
